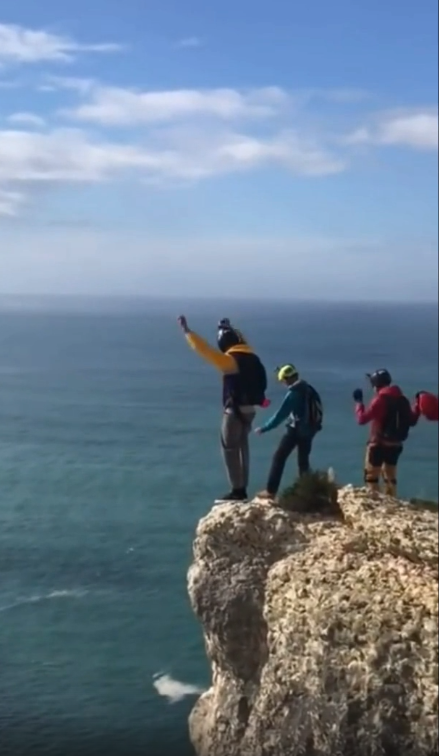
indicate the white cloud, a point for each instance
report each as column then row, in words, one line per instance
column 419, row 131
column 10, row 202
column 200, row 154
column 73, row 83
column 64, row 155
column 416, row 130
column 21, row 45
column 113, row 106
column 243, row 132
column 26, row 119
column 190, row 42
column 71, row 156
column 173, row 136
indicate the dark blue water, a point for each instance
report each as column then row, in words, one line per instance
column 108, row 457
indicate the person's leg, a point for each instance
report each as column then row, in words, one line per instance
column 231, row 445
column 245, row 448
column 372, row 467
column 304, row 447
column 391, row 457
column 287, row 444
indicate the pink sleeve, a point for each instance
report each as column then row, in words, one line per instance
column 365, row 415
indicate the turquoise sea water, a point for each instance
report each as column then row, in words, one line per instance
column 108, row 458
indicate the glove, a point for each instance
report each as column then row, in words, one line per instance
column 182, row 322
column 358, row 396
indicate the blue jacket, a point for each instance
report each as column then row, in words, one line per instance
column 294, row 409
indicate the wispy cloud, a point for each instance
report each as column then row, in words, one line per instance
column 19, row 45
column 176, row 136
column 73, row 83
column 113, row 106
column 71, row 156
column 416, row 130
column 190, row 42
column 10, row 202
column 26, row 119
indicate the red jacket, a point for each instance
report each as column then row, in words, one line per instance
column 376, row 412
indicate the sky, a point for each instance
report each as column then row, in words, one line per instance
column 238, row 149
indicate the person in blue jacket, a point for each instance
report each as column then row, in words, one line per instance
column 302, row 409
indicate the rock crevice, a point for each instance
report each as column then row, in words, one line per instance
column 321, row 633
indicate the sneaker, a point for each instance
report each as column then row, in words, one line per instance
column 266, row 496
column 233, row 496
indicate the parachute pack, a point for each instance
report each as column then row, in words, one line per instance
column 315, row 409
column 429, row 406
column 398, row 420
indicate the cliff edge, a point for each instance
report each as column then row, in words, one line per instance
column 321, row 631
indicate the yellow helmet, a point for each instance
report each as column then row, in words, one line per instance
column 287, row 372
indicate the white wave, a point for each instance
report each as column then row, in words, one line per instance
column 43, row 597
column 331, row 475
column 174, row 690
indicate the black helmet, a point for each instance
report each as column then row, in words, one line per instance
column 228, row 336
column 380, row 378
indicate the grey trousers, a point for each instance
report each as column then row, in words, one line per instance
column 235, row 432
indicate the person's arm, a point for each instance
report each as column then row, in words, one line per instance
column 223, row 362
column 364, row 414
column 288, row 406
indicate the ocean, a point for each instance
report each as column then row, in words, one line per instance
column 109, row 455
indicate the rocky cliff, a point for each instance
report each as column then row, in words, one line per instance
column 321, row 631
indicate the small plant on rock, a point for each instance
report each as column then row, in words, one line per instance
column 315, row 492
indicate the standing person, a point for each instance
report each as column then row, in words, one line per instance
column 244, row 387
column 391, row 418
column 302, row 408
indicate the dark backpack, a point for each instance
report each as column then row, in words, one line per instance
column 315, row 409
column 398, row 420
column 252, row 379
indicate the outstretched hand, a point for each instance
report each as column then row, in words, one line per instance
column 182, row 322
column 258, row 431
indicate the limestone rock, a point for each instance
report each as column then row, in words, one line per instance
column 321, row 633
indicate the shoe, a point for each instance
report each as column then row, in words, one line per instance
column 265, row 495
column 237, row 495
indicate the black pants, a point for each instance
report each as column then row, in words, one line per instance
column 288, row 443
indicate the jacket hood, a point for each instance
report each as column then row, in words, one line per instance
column 240, row 349
column 296, row 384
column 390, row 391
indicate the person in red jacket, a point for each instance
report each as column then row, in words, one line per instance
column 391, row 418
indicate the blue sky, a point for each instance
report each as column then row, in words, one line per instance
column 246, row 149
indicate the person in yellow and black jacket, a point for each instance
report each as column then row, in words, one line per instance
column 243, row 390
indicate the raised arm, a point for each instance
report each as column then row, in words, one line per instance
column 222, row 362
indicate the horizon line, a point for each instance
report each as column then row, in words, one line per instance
column 139, row 298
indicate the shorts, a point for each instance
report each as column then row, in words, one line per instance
column 378, row 455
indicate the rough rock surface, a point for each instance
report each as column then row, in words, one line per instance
column 322, row 634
